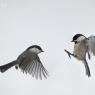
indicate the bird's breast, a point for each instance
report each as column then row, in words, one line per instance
column 80, row 50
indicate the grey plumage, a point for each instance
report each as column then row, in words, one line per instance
column 91, row 44
column 29, row 62
column 83, row 46
column 80, row 50
column 33, row 65
column 5, row 67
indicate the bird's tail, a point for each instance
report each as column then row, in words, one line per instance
column 87, row 68
column 5, row 67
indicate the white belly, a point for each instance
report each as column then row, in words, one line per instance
column 80, row 50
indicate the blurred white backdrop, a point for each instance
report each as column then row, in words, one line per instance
column 50, row 24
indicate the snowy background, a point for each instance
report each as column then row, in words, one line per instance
column 50, row 24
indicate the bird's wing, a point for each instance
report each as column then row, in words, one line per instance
column 32, row 65
column 91, row 44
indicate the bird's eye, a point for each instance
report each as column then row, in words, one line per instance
column 76, row 42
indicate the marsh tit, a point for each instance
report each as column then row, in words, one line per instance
column 28, row 62
column 83, row 46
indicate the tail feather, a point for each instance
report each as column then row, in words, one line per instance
column 5, row 67
column 87, row 68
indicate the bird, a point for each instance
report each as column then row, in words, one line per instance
column 83, row 46
column 29, row 62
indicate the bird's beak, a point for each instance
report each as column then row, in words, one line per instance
column 72, row 41
column 42, row 51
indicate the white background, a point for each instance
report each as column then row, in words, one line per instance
column 50, row 24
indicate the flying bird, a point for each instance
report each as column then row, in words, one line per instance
column 28, row 62
column 83, row 46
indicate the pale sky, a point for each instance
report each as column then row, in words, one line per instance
column 50, row 24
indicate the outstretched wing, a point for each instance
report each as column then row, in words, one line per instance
column 91, row 44
column 32, row 65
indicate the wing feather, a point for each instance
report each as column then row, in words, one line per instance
column 91, row 44
column 32, row 65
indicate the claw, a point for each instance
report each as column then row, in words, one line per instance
column 69, row 54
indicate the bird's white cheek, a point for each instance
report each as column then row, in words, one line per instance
column 35, row 50
column 80, row 38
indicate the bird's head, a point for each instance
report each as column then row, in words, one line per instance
column 35, row 49
column 78, row 38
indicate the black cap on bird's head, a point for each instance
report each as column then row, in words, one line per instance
column 35, row 48
column 78, row 38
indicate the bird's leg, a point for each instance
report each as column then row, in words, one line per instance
column 89, row 55
column 69, row 54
